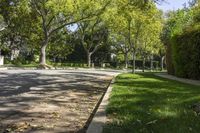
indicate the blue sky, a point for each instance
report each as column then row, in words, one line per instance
column 172, row 4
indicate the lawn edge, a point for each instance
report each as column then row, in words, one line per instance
column 100, row 118
column 181, row 80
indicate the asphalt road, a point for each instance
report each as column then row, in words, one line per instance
column 56, row 101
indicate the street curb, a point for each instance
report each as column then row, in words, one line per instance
column 3, row 68
column 61, row 68
column 99, row 119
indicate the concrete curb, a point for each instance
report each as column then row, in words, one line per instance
column 99, row 119
column 67, row 68
column 3, row 68
column 183, row 80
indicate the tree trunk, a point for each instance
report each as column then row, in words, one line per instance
column 89, row 59
column 162, row 63
column 43, row 53
column 133, row 65
column 143, row 64
column 126, row 60
column 151, row 63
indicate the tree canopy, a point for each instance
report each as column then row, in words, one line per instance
column 48, row 25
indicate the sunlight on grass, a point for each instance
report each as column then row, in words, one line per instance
column 166, row 112
column 146, row 103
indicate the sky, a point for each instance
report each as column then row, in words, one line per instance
column 172, row 4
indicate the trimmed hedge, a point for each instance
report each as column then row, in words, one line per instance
column 169, row 60
column 186, row 55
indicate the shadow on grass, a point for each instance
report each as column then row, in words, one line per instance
column 146, row 103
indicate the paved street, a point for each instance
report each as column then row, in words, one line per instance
column 54, row 101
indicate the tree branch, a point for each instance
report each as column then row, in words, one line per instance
column 81, row 19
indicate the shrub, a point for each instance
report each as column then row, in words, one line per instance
column 169, row 62
column 186, row 55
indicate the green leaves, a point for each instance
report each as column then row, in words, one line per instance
column 145, row 25
column 37, row 22
column 180, row 34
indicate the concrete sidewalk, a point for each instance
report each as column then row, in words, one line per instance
column 188, row 81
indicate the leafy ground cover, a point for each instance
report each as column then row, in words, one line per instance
column 149, row 104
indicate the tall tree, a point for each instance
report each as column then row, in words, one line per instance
column 127, row 19
column 121, row 46
column 16, row 17
column 51, row 16
column 149, row 38
column 55, row 15
column 60, row 45
column 93, row 34
column 119, row 35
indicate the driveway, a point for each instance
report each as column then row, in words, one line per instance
column 50, row 101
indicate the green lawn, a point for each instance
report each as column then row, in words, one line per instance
column 144, row 103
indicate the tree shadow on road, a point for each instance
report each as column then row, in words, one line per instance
column 50, row 102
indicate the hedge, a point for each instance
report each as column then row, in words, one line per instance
column 186, row 55
column 169, row 60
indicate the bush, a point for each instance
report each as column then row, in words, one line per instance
column 18, row 61
column 186, row 55
column 169, row 60
column 7, row 61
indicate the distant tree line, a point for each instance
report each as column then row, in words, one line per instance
column 83, row 30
